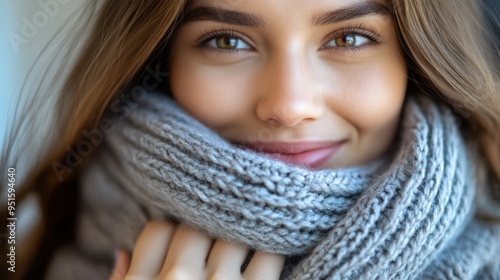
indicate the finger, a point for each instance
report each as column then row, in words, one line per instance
column 122, row 263
column 264, row 266
column 187, row 254
column 150, row 249
column 225, row 260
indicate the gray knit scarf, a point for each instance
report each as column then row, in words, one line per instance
column 407, row 216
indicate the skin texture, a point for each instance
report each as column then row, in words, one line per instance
column 287, row 80
column 290, row 81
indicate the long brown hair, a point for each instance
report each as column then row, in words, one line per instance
column 447, row 53
column 448, row 57
column 124, row 37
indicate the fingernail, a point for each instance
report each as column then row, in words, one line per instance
column 116, row 253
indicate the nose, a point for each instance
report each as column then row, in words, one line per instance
column 289, row 93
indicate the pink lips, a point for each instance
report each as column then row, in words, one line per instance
column 308, row 154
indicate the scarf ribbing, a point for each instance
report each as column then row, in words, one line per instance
column 407, row 216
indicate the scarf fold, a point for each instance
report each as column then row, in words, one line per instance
column 409, row 215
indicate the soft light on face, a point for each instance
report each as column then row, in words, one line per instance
column 283, row 76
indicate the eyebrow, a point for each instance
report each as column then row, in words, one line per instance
column 351, row 12
column 223, row 16
column 203, row 13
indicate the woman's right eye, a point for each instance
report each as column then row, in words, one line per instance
column 227, row 43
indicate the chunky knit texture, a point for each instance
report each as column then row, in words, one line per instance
column 407, row 216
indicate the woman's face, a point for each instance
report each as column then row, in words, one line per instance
column 314, row 83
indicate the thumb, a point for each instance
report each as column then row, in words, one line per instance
column 122, row 263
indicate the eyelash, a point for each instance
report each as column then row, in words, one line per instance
column 356, row 30
column 207, row 36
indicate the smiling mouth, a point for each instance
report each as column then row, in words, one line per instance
column 306, row 154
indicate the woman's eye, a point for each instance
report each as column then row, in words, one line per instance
column 348, row 41
column 227, row 43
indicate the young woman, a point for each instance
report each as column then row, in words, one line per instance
column 265, row 140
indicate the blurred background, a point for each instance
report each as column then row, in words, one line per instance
column 26, row 26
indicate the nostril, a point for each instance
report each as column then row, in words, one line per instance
column 289, row 118
column 288, row 112
column 282, row 122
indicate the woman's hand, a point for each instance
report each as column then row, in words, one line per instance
column 166, row 251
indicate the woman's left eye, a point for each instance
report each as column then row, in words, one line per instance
column 227, row 43
column 348, row 41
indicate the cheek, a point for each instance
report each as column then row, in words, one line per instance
column 375, row 103
column 207, row 94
